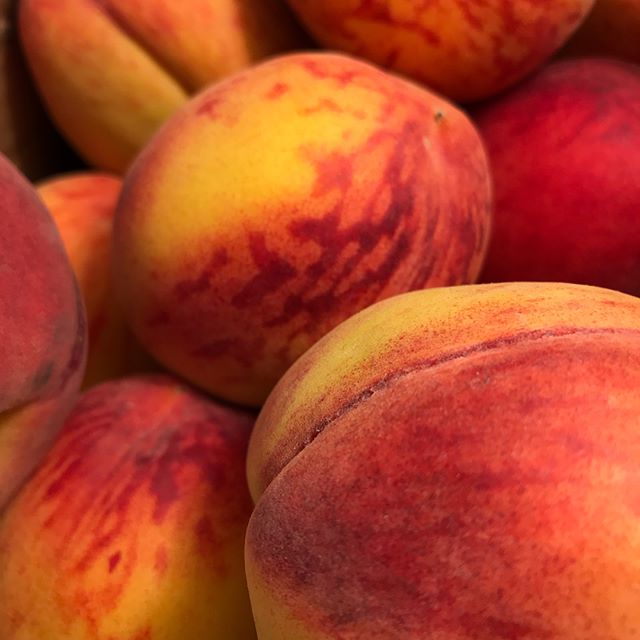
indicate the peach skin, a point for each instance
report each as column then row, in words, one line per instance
column 564, row 149
column 465, row 49
column 83, row 206
column 42, row 331
column 283, row 200
column 133, row 527
column 111, row 71
column 457, row 463
column 612, row 29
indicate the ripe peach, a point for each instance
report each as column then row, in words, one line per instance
column 42, row 331
column 133, row 526
column 466, row 50
column 111, row 71
column 83, row 206
column 283, row 200
column 456, row 463
column 565, row 154
column 612, row 29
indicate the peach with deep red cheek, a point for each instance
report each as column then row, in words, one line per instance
column 134, row 523
column 426, row 509
column 83, row 207
column 309, row 228
column 465, row 50
column 43, row 329
column 565, row 179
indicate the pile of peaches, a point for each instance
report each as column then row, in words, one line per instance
column 333, row 333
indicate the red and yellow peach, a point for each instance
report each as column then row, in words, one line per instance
column 282, row 201
column 455, row 463
column 465, row 50
column 133, row 526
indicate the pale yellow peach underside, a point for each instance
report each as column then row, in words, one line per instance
column 395, row 334
column 249, row 167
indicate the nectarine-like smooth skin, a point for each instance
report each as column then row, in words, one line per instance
column 83, row 206
column 283, row 200
column 611, row 29
column 132, row 529
column 111, row 71
column 464, row 49
column 42, row 330
column 456, row 463
column 565, row 156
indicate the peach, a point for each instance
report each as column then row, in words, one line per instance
column 83, row 206
column 42, row 331
column 465, row 50
column 133, row 526
column 281, row 201
column 612, row 29
column 111, row 71
column 565, row 154
column 457, row 463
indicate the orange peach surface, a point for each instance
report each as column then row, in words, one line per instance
column 459, row 464
column 465, row 49
column 42, row 331
column 283, row 200
column 83, row 206
column 110, row 71
column 612, row 29
column 133, row 527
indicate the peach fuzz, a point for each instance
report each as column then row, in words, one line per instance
column 464, row 49
column 42, row 331
column 612, row 29
column 565, row 156
column 111, row 71
column 456, row 463
column 282, row 201
column 133, row 526
column 83, row 206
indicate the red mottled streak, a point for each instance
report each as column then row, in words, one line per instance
column 277, row 91
column 454, row 501
column 161, row 561
column 145, row 444
column 145, row 634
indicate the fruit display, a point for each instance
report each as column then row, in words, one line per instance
column 330, row 331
